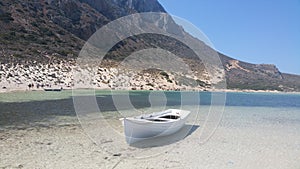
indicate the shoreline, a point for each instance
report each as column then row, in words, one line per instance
column 22, row 90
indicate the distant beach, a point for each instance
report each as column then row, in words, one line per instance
column 68, row 75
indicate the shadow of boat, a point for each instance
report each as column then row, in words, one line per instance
column 166, row 140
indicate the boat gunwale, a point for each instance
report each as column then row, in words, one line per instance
column 144, row 121
column 164, row 121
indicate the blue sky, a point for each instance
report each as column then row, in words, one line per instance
column 256, row 31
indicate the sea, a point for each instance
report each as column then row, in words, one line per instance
column 31, row 108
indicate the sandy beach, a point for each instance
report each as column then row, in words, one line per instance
column 68, row 146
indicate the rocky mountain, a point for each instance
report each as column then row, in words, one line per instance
column 54, row 31
column 242, row 75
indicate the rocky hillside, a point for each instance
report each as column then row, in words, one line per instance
column 57, row 27
column 54, row 31
column 242, row 75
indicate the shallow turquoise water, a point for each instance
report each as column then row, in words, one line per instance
column 29, row 108
column 232, row 99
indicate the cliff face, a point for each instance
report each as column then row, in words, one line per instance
column 51, row 30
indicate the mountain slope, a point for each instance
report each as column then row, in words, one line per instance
column 242, row 75
column 58, row 26
column 55, row 30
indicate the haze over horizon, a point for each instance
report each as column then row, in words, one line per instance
column 260, row 32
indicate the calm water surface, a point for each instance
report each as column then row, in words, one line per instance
column 38, row 107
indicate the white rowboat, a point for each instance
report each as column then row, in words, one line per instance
column 154, row 125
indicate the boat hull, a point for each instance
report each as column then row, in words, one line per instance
column 52, row 90
column 137, row 130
